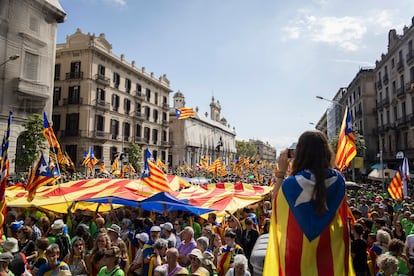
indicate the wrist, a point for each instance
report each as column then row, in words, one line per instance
column 281, row 174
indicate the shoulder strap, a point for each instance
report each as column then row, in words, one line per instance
column 114, row 271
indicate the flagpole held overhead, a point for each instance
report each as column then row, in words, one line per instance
column 346, row 149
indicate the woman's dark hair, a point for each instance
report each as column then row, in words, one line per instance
column 314, row 153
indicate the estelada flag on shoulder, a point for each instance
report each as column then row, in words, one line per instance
column 302, row 242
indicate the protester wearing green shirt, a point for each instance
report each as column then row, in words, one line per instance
column 111, row 261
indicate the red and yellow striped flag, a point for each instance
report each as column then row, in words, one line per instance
column 346, row 149
column 396, row 186
column 184, row 112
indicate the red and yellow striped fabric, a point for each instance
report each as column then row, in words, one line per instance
column 396, row 186
column 290, row 252
column 156, row 179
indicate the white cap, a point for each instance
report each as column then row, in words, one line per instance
column 142, row 237
column 167, row 226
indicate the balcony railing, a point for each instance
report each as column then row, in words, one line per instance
column 138, row 140
column 74, row 75
column 403, row 121
column 102, row 79
column 400, row 92
column 102, row 104
column 165, row 123
column 379, row 105
column 385, row 102
column 165, row 106
column 139, row 95
column 358, row 113
column 379, row 84
column 385, row 79
column 165, row 143
column 100, row 134
column 67, row 101
column 138, row 115
column 72, row 132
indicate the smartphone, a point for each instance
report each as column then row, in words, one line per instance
column 291, row 150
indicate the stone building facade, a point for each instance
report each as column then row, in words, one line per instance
column 28, row 44
column 103, row 101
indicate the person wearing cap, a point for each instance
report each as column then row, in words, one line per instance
column 148, row 250
column 195, row 267
column 158, row 257
column 187, row 245
column 31, row 222
column 87, row 219
column 18, row 263
column 114, row 233
column 208, row 263
column 136, row 266
column 167, row 233
column 56, row 235
column 203, row 243
column 82, row 232
column 5, row 259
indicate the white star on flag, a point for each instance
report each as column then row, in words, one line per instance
column 42, row 169
column 307, row 186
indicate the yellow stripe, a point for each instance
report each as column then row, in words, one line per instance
column 309, row 266
column 282, row 217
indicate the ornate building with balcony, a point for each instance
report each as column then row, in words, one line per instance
column 194, row 138
column 360, row 98
column 394, row 78
column 265, row 151
column 103, row 101
column 28, row 44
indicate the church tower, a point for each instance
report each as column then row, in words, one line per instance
column 215, row 110
column 179, row 99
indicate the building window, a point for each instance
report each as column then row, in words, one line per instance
column 138, row 130
column 31, row 66
column 72, row 152
column 72, row 124
column 115, row 102
column 164, row 100
column 74, row 94
column 113, row 151
column 155, row 115
column 147, row 113
column 139, row 89
column 394, row 87
column 148, row 94
column 127, row 131
column 156, row 98
column 114, row 129
column 101, row 70
column 127, row 85
column 56, row 95
column 57, row 71
column 117, row 80
column 405, row 145
column 100, row 95
column 100, row 122
column 392, row 63
column 164, row 136
column 97, row 150
column 164, row 116
column 146, row 134
column 138, row 108
column 127, row 106
column 154, row 136
column 56, row 122
column 75, row 70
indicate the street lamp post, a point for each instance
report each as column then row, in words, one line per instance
column 343, row 106
column 10, row 58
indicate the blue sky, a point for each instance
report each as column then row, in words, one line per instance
column 264, row 60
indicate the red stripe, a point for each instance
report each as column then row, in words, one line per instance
column 324, row 258
column 346, row 235
column 281, row 273
column 294, row 239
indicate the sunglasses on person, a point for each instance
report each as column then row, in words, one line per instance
column 78, row 245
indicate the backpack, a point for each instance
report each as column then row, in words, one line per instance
column 64, row 245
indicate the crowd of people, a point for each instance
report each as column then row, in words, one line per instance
column 130, row 241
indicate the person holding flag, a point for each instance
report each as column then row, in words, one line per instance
column 309, row 232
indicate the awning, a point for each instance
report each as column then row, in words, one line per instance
column 378, row 166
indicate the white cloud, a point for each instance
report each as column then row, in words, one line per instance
column 117, row 2
column 344, row 32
